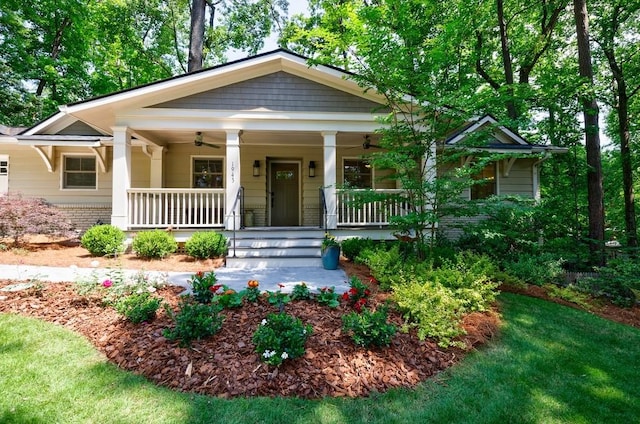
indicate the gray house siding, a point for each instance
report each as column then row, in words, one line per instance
column 279, row 91
column 79, row 128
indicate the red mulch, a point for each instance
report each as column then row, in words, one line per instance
column 225, row 364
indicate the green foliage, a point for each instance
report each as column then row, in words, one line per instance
column 202, row 286
column 278, row 298
column 510, row 228
column 435, row 300
column 538, row 269
column 357, row 294
column 226, row 297
column 301, row 292
column 193, row 321
column 369, row 328
column 21, row 216
column 154, row 244
column 616, row 282
column 138, row 307
column 280, row 337
column 104, row 240
column 352, row 247
column 252, row 294
column 206, row 244
column 570, row 294
column 327, row 296
column 388, row 266
column 115, row 285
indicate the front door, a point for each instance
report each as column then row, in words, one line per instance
column 285, row 193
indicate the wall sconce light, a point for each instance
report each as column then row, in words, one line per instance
column 256, row 168
column 312, row 169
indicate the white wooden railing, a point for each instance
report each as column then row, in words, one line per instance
column 352, row 213
column 177, row 208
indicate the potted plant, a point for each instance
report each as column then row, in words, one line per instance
column 330, row 252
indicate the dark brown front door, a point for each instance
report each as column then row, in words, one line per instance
column 285, row 194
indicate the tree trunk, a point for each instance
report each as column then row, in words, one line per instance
column 506, row 61
column 627, row 170
column 196, row 39
column 592, row 137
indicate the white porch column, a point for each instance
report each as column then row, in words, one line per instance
column 155, row 177
column 330, row 169
column 232, row 179
column 121, row 170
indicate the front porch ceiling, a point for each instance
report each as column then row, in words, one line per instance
column 251, row 138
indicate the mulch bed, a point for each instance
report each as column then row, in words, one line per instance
column 225, row 364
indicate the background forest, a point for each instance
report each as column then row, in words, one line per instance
column 559, row 72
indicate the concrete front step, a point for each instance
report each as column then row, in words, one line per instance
column 275, row 247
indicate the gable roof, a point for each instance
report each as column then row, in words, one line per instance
column 497, row 138
column 100, row 112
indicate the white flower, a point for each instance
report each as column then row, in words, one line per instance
column 264, row 322
column 269, row 353
column 284, row 355
column 304, row 331
column 95, row 264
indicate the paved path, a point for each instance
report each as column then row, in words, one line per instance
column 269, row 278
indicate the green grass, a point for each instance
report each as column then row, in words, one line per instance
column 551, row 364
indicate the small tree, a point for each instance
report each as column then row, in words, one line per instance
column 21, row 216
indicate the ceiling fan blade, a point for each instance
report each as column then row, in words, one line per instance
column 215, row 146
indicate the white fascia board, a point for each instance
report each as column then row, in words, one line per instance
column 59, row 143
column 489, row 120
column 202, row 120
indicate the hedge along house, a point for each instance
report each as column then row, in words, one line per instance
column 256, row 147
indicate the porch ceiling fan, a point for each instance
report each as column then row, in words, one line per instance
column 198, row 141
column 367, row 143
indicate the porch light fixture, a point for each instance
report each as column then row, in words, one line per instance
column 256, row 168
column 312, row 169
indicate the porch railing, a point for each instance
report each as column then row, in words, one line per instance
column 353, row 212
column 177, row 208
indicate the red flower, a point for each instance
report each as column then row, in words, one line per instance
column 373, row 281
column 281, row 285
column 367, row 292
column 199, row 274
column 345, row 296
column 353, row 291
column 215, row 288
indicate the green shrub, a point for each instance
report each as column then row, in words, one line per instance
column 203, row 286
column 280, row 337
column 194, row 321
column 537, row 269
column 103, row 240
column 301, row 292
column 431, row 308
column 226, row 297
column 615, row 282
column 327, row 296
column 154, row 244
column 138, row 307
column 369, row 328
column 357, row 295
column 351, row 248
column 206, row 244
column 388, row 266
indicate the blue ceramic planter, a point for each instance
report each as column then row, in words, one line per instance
column 331, row 257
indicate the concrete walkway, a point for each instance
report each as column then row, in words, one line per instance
column 314, row 277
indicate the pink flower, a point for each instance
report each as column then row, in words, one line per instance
column 107, row 283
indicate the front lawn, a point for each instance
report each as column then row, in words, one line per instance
column 550, row 364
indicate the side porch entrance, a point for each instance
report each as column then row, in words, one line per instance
column 284, row 193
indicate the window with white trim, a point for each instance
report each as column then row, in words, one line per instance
column 4, row 167
column 357, row 173
column 207, row 172
column 79, row 172
column 487, row 187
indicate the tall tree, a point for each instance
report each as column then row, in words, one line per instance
column 232, row 24
column 592, row 135
column 616, row 32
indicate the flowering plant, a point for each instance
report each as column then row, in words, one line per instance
column 328, row 297
column 202, row 284
column 278, row 298
column 226, row 297
column 279, row 337
column 252, row 292
column 357, row 295
column 301, row 292
column 329, row 241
